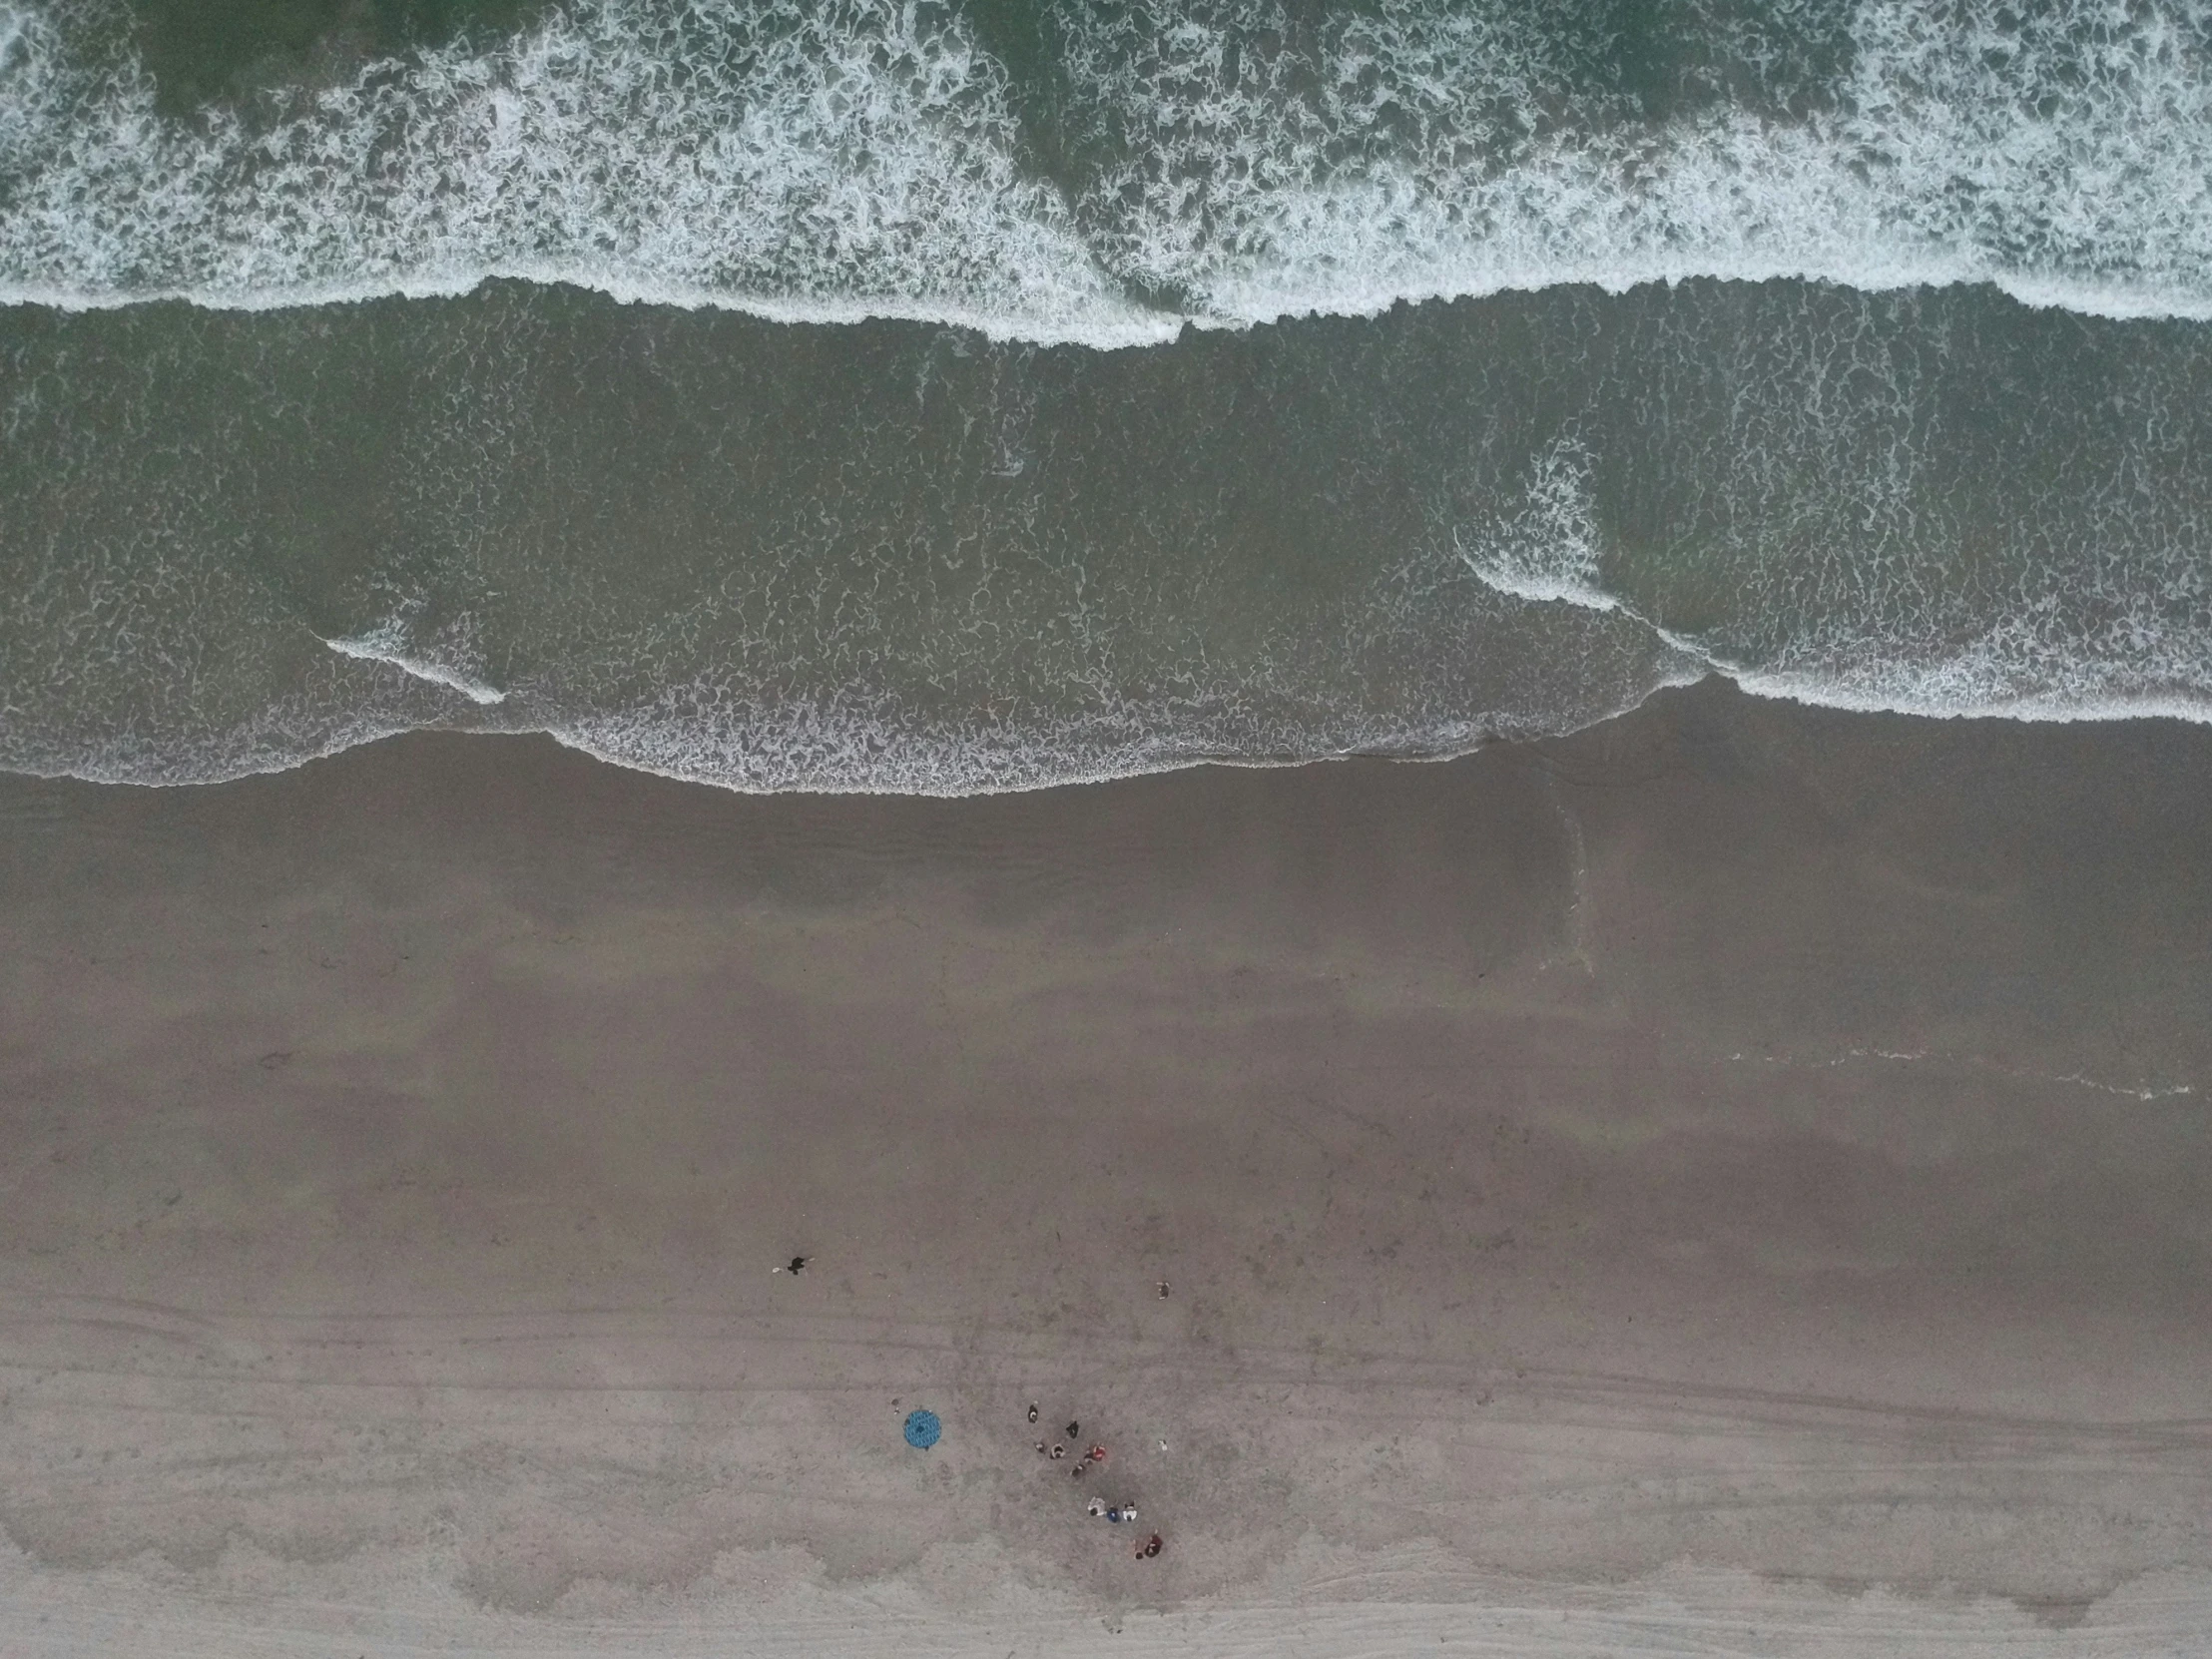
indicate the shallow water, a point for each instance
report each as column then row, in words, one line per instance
column 1741, row 371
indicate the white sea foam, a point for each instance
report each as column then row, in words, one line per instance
column 2141, row 662
column 2139, row 666
column 1548, row 549
column 855, row 158
column 388, row 643
column 839, row 161
column 2067, row 160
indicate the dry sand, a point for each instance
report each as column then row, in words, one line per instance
column 1732, row 1181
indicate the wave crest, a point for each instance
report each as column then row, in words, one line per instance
column 1211, row 162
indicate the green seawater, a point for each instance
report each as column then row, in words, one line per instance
column 967, row 394
column 898, row 556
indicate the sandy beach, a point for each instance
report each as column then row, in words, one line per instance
column 1734, row 1180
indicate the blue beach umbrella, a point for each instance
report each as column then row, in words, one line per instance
column 922, row 1430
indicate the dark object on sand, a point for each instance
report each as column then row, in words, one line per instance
column 1077, row 1471
column 922, row 1430
column 1149, row 1548
column 1074, row 1428
column 1032, row 1410
column 797, row 1264
column 1163, row 1290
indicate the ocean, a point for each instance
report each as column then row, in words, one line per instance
column 944, row 399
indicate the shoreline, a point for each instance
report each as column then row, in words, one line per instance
column 1738, row 1150
column 1724, row 680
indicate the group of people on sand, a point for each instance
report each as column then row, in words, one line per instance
column 922, row 1430
column 1117, row 1514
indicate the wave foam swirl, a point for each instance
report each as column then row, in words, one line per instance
column 1212, row 162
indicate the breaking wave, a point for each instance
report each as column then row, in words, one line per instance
column 1209, row 163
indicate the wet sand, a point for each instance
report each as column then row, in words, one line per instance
column 1733, row 1179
